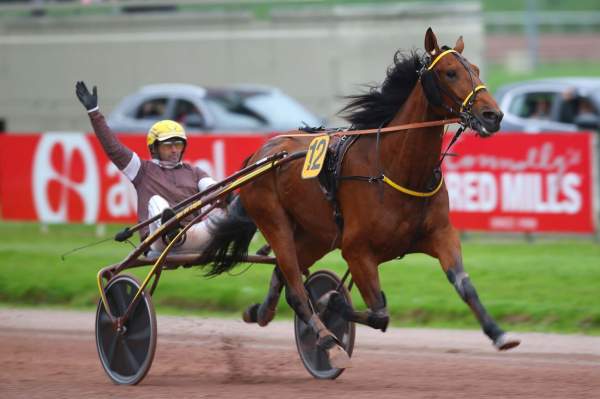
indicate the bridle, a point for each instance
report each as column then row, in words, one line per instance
column 434, row 90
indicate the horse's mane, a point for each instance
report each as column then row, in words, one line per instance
column 378, row 106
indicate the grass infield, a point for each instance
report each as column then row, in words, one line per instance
column 550, row 286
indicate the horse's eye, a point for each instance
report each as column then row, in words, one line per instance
column 451, row 74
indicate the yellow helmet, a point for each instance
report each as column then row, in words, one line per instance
column 165, row 130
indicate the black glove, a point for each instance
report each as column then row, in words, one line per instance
column 89, row 101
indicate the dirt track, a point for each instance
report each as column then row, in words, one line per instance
column 50, row 354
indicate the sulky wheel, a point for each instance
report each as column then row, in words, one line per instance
column 126, row 355
column 314, row 359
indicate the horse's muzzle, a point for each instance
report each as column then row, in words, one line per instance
column 487, row 122
column 491, row 120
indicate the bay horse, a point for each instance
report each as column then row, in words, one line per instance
column 380, row 222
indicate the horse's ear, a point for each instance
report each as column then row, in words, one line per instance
column 431, row 44
column 460, row 45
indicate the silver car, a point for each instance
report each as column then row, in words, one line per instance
column 235, row 109
column 557, row 104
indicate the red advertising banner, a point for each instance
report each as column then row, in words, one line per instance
column 522, row 182
column 509, row 182
column 65, row 177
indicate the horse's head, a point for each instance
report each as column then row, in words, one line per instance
column 452, row 83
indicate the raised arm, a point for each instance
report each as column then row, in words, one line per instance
column 125, row 159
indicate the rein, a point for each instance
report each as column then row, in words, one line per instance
column 390, row 129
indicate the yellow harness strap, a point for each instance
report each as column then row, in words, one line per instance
column 475, row 90
column 439, row 57
column 412, row 192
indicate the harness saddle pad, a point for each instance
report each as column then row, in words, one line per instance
column 329, row 176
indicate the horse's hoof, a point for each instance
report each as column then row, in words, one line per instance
column 506, row 342
column 379, row 320
column 264, row 317
column 250, row 315
column 338, row 358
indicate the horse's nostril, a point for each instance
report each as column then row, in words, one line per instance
column 491, row 116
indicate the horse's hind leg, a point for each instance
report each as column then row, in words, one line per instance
column 277, row 229
column 263, row 313
column 445, row 246
column 308, row 251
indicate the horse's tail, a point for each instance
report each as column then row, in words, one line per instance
column 231, row 237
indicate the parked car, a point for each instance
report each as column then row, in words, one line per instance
column 235, row 109
column 557, row 104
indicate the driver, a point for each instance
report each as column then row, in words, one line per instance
column 160, row 182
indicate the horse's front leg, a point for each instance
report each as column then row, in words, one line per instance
column 363, row 268
column 446, row 247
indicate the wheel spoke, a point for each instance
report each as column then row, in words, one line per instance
column 321, row 360
column 139, row 335
column 119, row 296
column 131, row 360
column 307, row 337
column 110, row 353
column 104, row 319
column 311, row 356
column 139, row 317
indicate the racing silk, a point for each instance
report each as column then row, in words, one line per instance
column 148, row 178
